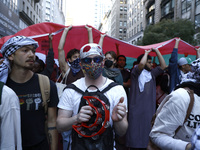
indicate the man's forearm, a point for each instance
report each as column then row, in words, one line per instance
column 161, row 60
column 121, row 126
column 53, row 138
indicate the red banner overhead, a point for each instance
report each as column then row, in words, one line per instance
column 78, row 36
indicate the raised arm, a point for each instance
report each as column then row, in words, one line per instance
column 143, row 60
column 61, row 53
column 198, row 52
column 101, row 39
column 90, row 36
column 160, row 58
column 48, row 70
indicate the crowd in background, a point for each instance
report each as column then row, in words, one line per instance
column 139, row 93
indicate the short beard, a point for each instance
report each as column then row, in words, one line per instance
column 147, row 68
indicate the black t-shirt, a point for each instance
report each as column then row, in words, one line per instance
column 32, row 111
column 126, row 74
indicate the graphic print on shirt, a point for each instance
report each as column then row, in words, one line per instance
column 31, row 102
column 193, row 121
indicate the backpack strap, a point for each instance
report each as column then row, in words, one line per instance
column 74, row 87
column 112, row 84
column 1, row 88
column 45, row 90
column 189, row 110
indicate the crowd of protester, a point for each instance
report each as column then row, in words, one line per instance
column 28, row 122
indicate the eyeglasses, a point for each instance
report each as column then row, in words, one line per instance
column 88, row 60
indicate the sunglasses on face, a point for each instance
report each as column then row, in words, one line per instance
column 88, row 60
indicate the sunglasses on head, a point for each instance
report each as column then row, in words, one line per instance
column 88, row 60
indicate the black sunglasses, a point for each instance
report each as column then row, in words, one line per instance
column 88, row 60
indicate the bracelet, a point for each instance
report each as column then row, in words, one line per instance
column 51, row 128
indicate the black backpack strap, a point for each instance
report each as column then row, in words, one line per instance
column 1, row 88
column 74, row 87
column 112, row 84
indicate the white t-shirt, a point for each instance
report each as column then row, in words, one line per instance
column 171, row 116
column 10, row 123
column 70, row 98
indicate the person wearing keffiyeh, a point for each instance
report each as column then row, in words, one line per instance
column 9, row 48
column 173, row 112
column 16, row 72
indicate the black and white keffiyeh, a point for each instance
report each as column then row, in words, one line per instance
column 9, row 47
column 194, row 75
column 196, row 139
column 192, row 79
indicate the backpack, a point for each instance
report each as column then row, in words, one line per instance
column 45, row 90
column 96, row 133
column 151, row 145
column 1, row 88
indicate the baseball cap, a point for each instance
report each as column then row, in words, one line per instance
column 184, row 60
column 91, row 49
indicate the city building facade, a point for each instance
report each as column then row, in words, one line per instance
column 118, row 19
column 16, row 15
column 153, row 11
column 53, row 11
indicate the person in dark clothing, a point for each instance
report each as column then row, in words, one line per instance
column 19, row 52
column 126, row 74
column 39, row 65
column 109, row 70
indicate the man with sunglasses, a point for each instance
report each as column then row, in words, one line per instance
column 92, row 63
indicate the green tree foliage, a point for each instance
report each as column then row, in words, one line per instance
column 168, row 29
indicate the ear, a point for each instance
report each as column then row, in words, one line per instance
column 11, row 57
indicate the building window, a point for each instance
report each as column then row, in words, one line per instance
column 27, row 10
column 23, row 6
column 31, row 14
column 151, row 8
column 141, row 14
column 138, row 28
column 197, row 21
column 125, row 8
column 138, row 5
column 124, row 30
column 124, row 37
column 141, row 27
column 125, row 23
column 197, row 2
column 121, row 16
column 125, row 16
column 120, row 37
column 121, row 8
column 186, row 6
column 150, row 20
column 166, row 9
column 121, row 1
column 32, row 3
column 138, row 16
column 120, row 23
column 120, row 30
